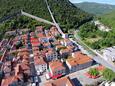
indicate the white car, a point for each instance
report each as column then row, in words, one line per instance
column 38, row 73
column 33, row 84
column 47, row 76
column 36, row 79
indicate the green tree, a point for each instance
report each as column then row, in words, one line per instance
column 70, row 17
column 109, row 74
column 94, row 72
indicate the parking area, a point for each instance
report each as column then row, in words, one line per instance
column 81, row 79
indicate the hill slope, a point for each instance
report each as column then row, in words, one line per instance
column 95, row 8
column 109, row 19
column 97, row 39
column 68, row 15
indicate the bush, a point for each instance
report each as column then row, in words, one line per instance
column 94, row 72
column 108, row 74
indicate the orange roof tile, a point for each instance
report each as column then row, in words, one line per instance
column 65, row 81
column 56, row 65
column 25, row 57
column 70, row 46
column 25, row 61
column 79, row 59
column 27, row 72
column 41, row 35
column 24, row 66
column 39, row 61
column 8, row 80
column 50, row 51
column 23, row 53
column 46, row 44
column 23, row 50
column 34, row 44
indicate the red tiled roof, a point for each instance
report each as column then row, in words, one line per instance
column 79, row 59
column 25, row 57
column 8, row 80
column 23, row 53
column 23, row 50
column 50, row 51
column 65, row 81
column 39, row 61
column 41, row 35
column 24, row 66
column 34, row 44
column 46, row 44
column 56, row 65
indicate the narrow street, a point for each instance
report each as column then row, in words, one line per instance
column 34, row 78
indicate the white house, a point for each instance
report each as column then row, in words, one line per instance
column 64, row 35
column 51, row 55
column 57, row 67
column 109, row 54
column 66, row 42
column 78, row 61
column 40, row 64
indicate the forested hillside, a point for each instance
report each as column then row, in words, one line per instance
column 95, row 38
column 96, row 8
column 108, row 19
column 66, row 14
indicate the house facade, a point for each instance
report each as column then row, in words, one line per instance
column 40, row 64
column 78, row 61
column 51, row 55
column 56, row 68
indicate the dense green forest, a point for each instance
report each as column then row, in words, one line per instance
column 66, row 14
column 95, row 8
column 95, row 38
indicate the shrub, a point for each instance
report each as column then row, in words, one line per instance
column 108, row 74
column 94, row 72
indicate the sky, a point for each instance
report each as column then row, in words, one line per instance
column 98, row 1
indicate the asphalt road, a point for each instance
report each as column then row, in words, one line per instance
column 34, row 76
column 96, row 56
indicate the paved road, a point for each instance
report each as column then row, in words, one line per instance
column 96, row 56
column 37, row 18
column 32, row 66
column 56, row 24
column 80, row 79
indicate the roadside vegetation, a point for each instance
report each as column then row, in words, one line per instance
column 108, row 75
column 95, row 38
